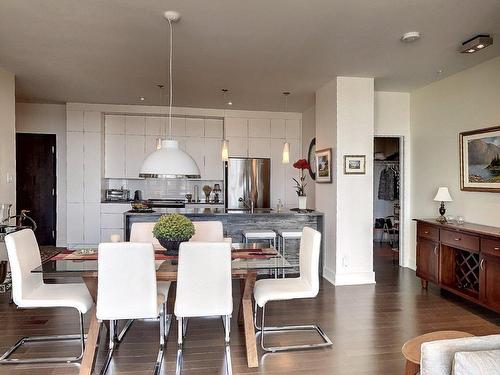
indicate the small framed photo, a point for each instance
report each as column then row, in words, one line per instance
column 324, row 165
column 354, row 164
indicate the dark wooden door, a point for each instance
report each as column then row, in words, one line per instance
column 428, row 259
column 489, row 281
column 36, row 182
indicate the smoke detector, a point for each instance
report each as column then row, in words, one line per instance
column 410, row 36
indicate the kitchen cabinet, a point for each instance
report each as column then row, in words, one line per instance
column 236, row 127
column 195, row 147
column 238, row 146
column 74, row 223
column 92, row 121
column 195, row 127
column 290, row 172
column 490, row 280
column 91, row 223
column 74, row 121
column 74, row 160
column 214, row 128
column 114, row 155
column 259, row 147
column 214, row 166
column 178, row 127
column 155, row 125
column 91, row 167
column 278, row 181
column 428, row 259
column 259, row 128
column 151, row 142
column 114, row 124
column 112, row 221
column 134, row 155
column 278, row 128
column 135, row 125
column 293, row 129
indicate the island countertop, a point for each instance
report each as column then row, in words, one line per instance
column 220, row 212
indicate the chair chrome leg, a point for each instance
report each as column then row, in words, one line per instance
column 263, row 329
column 5, row 359
column 227, row 332
column 112, row 342
column 180, row 337
column 163, row 342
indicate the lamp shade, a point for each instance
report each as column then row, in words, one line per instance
column 443, row 195
column 169, row 162
column 225, row 150
column 286, row 153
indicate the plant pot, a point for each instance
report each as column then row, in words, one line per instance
column 171, row 246
column 302, row 202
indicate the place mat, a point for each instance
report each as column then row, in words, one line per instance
column 85, row 254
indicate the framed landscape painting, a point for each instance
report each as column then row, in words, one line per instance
column 480, row 160
column 324, row 165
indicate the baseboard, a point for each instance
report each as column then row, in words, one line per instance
column 354, row 278
column 329, row 275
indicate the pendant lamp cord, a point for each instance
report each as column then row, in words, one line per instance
column 170, row 81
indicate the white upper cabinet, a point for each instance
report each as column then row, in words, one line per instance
column 92, row 122
column 259, row 128
column 278, row 128
column 195, row 147
column 238, row 146
column 213, row 162
column 74, row 166
column 135, row 125
column 114, row 156
column 114, row 124
column 195, row 127
column 278, row 181
column 291, row 172
column 259, row 147
column 155, row 125
column 236, row 127
column 92, row 166
column 134, row 155
column 214, row 128
column 178, row 127
column 74, row 121
column 293, row 129
column 151, row 143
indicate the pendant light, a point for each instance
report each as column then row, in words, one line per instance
column 225, row 143
column 169, row 161
column 286, row 145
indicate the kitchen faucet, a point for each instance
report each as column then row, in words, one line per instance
column 245, row 203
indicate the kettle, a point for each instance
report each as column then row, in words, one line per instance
column 138, row 195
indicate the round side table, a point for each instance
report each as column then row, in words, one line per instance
column 411, row 348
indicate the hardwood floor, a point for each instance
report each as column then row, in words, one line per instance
column 368, row 325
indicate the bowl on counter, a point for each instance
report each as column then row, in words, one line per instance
column 141, row 206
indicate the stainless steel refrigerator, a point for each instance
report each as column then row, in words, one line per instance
column 248, row 179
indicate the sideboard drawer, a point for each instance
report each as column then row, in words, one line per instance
column 458, row 239
column 490, row 246
column 428, row 231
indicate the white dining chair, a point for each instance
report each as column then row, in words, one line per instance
column 29, row 291
column 204, row 288
column 127, row 290
column 304, row 286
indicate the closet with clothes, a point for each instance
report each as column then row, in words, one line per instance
column 386, row 196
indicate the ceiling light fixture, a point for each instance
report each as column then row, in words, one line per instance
column 411, row 36
column 477, row 43
column 142, row 98
column 286, row 145
column 225, row 143
column 169, row 161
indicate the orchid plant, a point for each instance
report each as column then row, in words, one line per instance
column 300, row 185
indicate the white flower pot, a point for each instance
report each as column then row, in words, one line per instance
column 302, row 202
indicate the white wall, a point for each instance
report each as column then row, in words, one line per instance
column 392, row 118
column 308, row 133
column 7, row 143
column 439, row 112
column 49, row 119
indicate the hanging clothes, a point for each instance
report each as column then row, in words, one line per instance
column 388, row 188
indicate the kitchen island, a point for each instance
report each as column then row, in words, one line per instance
column 234, row 222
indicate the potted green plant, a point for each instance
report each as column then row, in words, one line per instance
column 171, row 230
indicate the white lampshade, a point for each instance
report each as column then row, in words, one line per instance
column 225, row 150
column 286, row 153
column 443, row 195
column 169, row 162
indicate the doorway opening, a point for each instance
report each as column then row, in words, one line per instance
column 36, row 183
column 387, row 203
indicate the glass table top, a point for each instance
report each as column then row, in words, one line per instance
column 73, row 267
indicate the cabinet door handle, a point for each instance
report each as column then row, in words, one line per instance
column 481, row 265
column 426, row 232
column 435, row 250
column 496, row 248
column 457, row 239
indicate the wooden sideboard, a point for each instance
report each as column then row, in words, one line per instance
column 463, row 259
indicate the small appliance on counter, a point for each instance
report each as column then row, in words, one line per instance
column 138, row 195
column 196, row 193
column 117, row 194
column 216, row 190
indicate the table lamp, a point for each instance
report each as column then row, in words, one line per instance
column 443, row 195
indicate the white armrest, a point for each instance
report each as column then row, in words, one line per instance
column 482, row 362
column 228, row 239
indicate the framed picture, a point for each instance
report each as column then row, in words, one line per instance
column 354, row 164
column 480, row 160
column 310, row 158
column 324, row 165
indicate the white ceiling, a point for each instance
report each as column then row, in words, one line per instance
column 115, row 51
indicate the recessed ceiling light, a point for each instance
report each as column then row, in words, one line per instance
column 142, row 98
column 477, row 43
column 440, row 71
column 410, row 36
column 229, row 103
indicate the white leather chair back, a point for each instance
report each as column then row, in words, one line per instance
column 127, row 281
column 310, row 245
column 204, row 279
column 208, row 231
column 24, row 256
column 143, row 232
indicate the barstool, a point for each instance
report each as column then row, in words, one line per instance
column 261, row 234
column 284, row 234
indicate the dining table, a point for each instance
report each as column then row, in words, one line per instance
column 248, row 261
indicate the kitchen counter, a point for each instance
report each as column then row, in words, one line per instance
column 235, row 222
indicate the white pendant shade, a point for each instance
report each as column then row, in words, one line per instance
column 443, row 195
column 286, row 153
column 169, row 162
column 225, row 150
